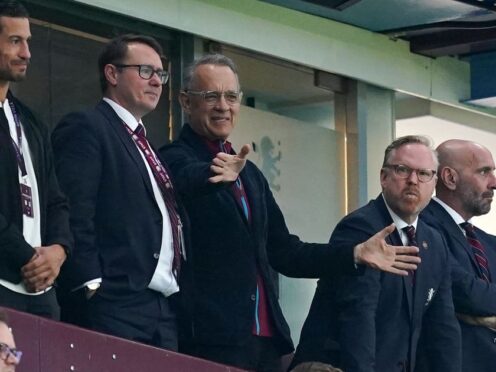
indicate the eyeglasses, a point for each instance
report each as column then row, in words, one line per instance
column 146, row 72
column 6, row 352
column 211, row 97
column 402, row 171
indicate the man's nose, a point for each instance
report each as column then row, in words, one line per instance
column 413, row 177
column 492, row 182
column 221, row 103
column 24, row 51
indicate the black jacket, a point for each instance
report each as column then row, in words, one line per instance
column 14, row 250
column 227, row 250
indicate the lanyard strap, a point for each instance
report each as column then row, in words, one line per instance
column 157, row 168
column 18, row 145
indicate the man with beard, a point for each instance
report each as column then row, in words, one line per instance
column 34, row 226
column 373, row 322
column 464, row 190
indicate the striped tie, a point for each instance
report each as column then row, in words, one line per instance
column 478, row 249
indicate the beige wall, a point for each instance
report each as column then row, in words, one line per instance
column 311, row 193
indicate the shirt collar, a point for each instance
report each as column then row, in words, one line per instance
column 124, row 114
column 398, row 222
column 215, row 146
column 454, row 214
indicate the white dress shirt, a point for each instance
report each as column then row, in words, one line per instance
column 400, row 224
column 31, row 229
column 454, row 214
column 163, row 280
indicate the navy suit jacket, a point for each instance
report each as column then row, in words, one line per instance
column 373, row 322
column 471, row 295
column 229, row 251
column 116, row 222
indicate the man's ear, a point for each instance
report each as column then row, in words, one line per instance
column 383, row 176
column 449, row 177
column 110, row 72
column 185, row 102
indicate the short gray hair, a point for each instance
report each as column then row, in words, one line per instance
column 405, row 140
column 216, row 59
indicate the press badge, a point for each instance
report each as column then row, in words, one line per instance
column 27, row 200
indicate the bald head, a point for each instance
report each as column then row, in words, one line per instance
column 466, row 177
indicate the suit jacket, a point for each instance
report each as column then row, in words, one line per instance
column 116, row 222
column 14, row 250
column 228, row 251
column 471, row 295
column 373, row 322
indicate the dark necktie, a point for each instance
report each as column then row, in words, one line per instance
column 412, row 240
column 164, row 183
column 478, row 249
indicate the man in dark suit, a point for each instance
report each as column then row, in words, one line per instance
column 124, row 216
column 237, row 232
column 465, row 189
column 373, row 322
column 34, row 217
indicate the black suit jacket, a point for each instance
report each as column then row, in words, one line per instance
column 228, row 251
column 471, row 295
column 115, row 219
column 14, row 250
column 373, row 322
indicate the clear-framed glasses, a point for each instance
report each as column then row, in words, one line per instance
column 7, row 352
column 146, row 72
column 403, row 171
column 212, row 97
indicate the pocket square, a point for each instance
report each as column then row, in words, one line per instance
column 430, row 295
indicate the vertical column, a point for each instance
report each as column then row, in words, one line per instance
column 366, row 115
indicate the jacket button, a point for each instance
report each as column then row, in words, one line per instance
column 156, row 256
column 494, row 340
column 253, row 297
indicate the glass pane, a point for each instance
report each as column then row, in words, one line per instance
column 63, row 77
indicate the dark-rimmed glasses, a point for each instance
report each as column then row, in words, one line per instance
column 146, row 72
column 403, row 171
column 212, row 97
column 7, row 352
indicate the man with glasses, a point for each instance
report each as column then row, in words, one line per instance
column 34, row 218
column 373, row 322
column 232, row 314
column 10, row 357
column 125, row 218
column 465, row 189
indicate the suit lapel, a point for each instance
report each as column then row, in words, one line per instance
column 419, row 290
column 118, row 126
column 453, row 231
column 255, row 201
column 394, row 239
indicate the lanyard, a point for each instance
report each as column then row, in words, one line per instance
column 156, row 167
column 18, row 147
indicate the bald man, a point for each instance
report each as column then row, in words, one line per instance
column 465, row 189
